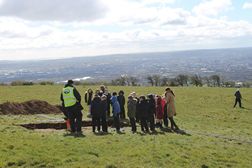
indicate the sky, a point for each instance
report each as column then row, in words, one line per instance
column 49, row 29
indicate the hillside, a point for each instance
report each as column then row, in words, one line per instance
column 232, row 64
column 217, row 135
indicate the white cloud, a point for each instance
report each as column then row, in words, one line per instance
column 212, row 7
column 158, row 2
column 127, row 26
column 247, row 5
column 48, row 10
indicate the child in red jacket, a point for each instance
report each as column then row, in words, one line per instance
column 164, row 110
column 159, row 112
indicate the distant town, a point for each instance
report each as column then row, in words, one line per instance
column 231, row 65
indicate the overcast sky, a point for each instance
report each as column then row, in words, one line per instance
column 46, row 29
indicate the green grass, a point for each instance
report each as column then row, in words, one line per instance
column 220, row 136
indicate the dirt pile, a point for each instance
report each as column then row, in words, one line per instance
column 29, row 107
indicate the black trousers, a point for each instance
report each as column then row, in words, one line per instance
column 173, row 124
column 133, row 124
column 144, row 124
column 239, row 101
column 117, row 121
column 152, row 122
column 96, row 123
column 122, row 114
column 104, row 124
column 165, row 119
column 108, row 109
column 75, row 117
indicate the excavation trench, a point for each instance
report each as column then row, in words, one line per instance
column 41, row 109
column 62, row 125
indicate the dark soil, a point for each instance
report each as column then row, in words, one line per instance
column 62, row 125
column 29, row 107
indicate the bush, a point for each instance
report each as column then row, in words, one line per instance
column 21, row 83
column 46, row 83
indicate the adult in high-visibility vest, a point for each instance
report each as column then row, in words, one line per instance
column 71, row 100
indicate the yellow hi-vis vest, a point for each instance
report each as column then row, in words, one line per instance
column 68, row 96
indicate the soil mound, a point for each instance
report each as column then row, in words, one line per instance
column 29, row 107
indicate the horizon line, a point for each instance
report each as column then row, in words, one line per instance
column 118, row 54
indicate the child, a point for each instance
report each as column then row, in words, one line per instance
column 132, row 112
column 151, row 111
column 96, row 112
column 116, row 111
column 133, row 94
column 164, row 110
column 104, row 113
column 159, row 112
column 142, row 110
column 88, row 99
column 121, row 100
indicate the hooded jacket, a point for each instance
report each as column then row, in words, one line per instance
column 115, row 105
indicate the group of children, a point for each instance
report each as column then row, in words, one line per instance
column 151, row 111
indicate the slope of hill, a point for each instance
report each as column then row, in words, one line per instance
column 233, row 64
column 218, row 135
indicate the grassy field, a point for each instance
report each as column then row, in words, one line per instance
column 217, row 134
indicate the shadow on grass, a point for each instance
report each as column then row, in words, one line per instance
column 157, row 133
column 75, row 135
column 150, row 133
column 182, row 132
column 179, row 131
column 164, row 131
column 246, row 108
column 102, row 133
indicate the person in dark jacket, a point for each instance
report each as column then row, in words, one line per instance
column 151, row 111
column 104, row 113
column 88, row 99
column 133, row 94
column 116, row 111
column 131, row 104
column 96, row 112
column 71, row 100
column 104, row 91
column 142, row 110
column 121, row 100
column 238, row 98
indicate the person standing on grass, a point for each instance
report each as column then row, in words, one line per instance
column 142, row 110
column 131, row 104
column 104, row 113
column 171, row 110
column 159, row 112
column 238, row 98
column 133, row 94
column 151, row 111
column 164, row 110
column 96, row 112
column 116, row 111
column 71, row 100
column 88, row 99
column 104, row 91
column 121, row 100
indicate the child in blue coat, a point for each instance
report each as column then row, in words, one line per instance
column 116, row 111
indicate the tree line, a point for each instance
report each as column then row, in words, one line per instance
column 179, row 80
column 152, row 80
